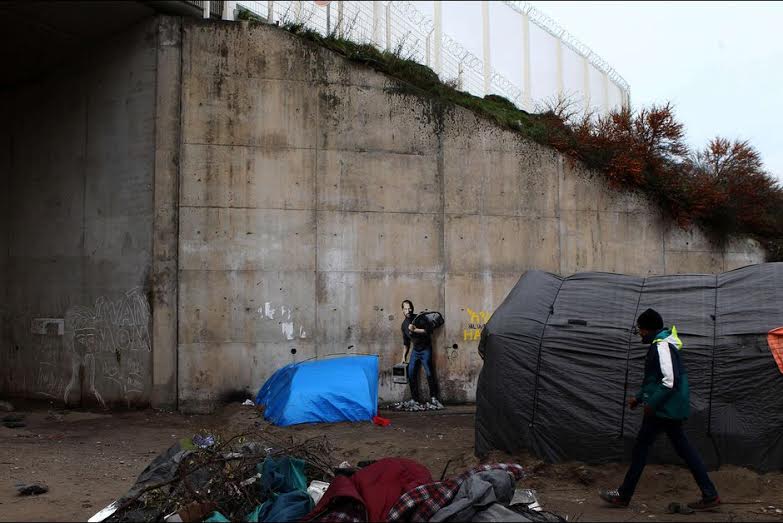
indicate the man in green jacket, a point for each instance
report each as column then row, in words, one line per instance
column 665, row 397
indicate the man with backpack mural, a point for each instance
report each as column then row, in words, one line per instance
column 419, row 335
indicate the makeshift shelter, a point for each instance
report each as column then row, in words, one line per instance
column 322, row 391
column 560, row 361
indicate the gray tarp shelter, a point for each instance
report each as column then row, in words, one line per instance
column 560, row 361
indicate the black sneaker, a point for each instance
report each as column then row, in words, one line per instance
column 705, row 503
column 613, row 498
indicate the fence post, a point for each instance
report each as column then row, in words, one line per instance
column 586, row 71
column 270, row 11
column 526, row 98
column 485, row 42
column 559, row 51
column 228, row 9
column 205, row 9
column 606, row 93
column 339, row 29
column 438, row 37
column 427, row 50
column 376, row 24
column 298, row 11
column 388, row 26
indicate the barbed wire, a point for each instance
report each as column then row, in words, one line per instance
column 410, row 32
column 451, row 46
column 545, row 22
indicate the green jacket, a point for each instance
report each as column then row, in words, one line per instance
column 665, row 385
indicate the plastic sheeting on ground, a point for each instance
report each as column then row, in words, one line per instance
column 476, row 493
column 284, row 484
column 561, row 360
column 322, row 391
column 282, row 475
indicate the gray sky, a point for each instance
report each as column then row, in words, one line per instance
column 720, row 63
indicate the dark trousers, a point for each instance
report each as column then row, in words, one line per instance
column 424, row 357
column 651, row 427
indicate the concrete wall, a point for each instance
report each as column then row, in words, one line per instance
column 316, row 195
column 191, row 205
column 5, row 216
column 80, row 190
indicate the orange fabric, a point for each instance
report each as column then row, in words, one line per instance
column 775, row 341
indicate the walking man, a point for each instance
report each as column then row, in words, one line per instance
column 665, row 398
column 421, row 339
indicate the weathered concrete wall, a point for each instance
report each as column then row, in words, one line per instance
column 80, row 191
column 316, row 195
column 165, row 284
column 5, row 216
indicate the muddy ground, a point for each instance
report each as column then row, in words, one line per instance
column 89, row 459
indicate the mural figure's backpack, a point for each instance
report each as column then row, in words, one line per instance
column 433, row 319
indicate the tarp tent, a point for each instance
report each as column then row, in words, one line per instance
column 560, row 361
column 322, row 391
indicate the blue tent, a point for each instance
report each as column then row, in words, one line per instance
column 322, row 391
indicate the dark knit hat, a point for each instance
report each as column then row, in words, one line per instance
column 650, row 320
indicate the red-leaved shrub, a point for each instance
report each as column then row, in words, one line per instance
column 723, row 187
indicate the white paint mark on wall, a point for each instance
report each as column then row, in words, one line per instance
column 285, row 312
column 48, row 326
column 286, row 319
column 288, row 329
column 49, row 381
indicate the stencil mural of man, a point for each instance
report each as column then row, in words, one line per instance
column 81, row 329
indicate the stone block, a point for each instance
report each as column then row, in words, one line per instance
column 384, row 242
column 501, row 244
column 246, row 239
column 378, row 182
column 247, row 177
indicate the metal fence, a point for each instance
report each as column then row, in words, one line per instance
column 211, row 8
column 399, row 26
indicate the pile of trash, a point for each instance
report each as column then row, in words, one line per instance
column 258, row 477
column 415, row 406
column 209, row 477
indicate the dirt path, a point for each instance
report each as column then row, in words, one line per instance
column 90, row 459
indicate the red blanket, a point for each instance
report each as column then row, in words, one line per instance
column 376, row 487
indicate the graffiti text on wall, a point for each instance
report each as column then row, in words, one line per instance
column 476, row 322
column 108, row 343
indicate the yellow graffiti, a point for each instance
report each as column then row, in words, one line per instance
column 471, row 334
column 476, row 322
column 478, row 317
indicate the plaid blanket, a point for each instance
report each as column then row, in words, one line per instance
column 421, row 503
